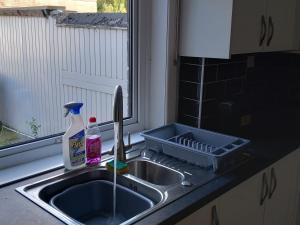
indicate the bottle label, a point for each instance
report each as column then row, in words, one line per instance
column 77, row 149
column 93, row 146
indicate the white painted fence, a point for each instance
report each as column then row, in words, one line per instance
column 42, row 66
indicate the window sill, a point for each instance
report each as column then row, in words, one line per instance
column 41, row 166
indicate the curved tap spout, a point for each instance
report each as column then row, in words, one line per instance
column 118, row 123
column 118, row 105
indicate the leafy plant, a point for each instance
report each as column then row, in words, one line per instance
column 112, row 6
column 34, row 126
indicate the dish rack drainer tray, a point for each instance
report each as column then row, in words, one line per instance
column 197, row 146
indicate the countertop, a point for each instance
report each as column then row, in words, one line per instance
column 266, row 153
column 16, row 209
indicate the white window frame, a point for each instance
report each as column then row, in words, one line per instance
column 155, row 52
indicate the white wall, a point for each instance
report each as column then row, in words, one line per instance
column 162, row 107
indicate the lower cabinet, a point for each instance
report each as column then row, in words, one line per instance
column 242, row 205
column 280, row 205
column 207, row 215
column 268, row 198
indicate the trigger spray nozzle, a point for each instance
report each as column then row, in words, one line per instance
column 73, row 107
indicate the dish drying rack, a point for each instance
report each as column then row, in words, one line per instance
column 200, row 147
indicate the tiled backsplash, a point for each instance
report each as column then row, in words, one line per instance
column 235, row 91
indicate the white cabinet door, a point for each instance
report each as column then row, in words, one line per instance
column 203, row 216
column 241, row 205
column 249, row 26
column 281, row 205
column 296, row 42
column 268, row 198
column 205, row 28
column 281, row 25
column 296, row 212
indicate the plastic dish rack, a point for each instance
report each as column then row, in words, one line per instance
column 197, row 146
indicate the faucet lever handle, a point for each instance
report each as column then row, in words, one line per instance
column 112, row 151
column 129, row 139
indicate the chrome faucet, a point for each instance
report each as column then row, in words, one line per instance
column 118, row 125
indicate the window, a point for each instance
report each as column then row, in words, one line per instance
column 50, row 57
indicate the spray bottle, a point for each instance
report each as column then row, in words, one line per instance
column 74, row 138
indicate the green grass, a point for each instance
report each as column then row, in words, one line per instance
column 8, row 137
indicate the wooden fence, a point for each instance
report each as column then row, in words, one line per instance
column 43, row 66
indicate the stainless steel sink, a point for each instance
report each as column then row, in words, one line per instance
column 80, row 197
column 92, row 203
column 154, row 173
column 89, row 188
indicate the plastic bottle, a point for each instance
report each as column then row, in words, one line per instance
column 93, row 143
column 74, row 138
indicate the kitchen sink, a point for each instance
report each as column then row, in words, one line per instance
column 86, row 196
column 154, row 173
column 92, row 203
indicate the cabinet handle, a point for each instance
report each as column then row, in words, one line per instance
column 273, row 183
column 271, row 28
column 263, row 30
column 215, row 218
column 264, row 189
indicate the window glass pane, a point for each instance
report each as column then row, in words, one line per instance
column 75, row 50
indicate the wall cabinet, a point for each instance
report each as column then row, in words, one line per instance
column 269, row 198
column 249, row 26
column 281, row 19
column 219, row 28
column 297, row 25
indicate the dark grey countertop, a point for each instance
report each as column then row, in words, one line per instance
column 16, row 209
column 265, row 156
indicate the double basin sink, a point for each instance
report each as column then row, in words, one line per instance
column 86, row 196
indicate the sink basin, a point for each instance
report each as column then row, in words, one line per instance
column 154, row 173
column 92, row 203
column 86, row 197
